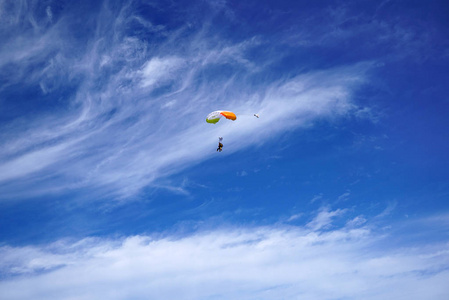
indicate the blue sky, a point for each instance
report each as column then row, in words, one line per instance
column 111, row 186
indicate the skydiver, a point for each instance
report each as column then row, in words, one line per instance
column 256, row 115
column 220, row 145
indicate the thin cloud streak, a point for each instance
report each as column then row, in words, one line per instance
column 240, row 263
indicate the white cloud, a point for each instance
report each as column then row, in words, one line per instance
column 324, row 218
column 344, row 196
column 356, row 222
column 31, row 162
column 137, row 114
column 316, row 198
column 388, row 210
column 159, row 70
column 295, row 217
column 239, row 263
column 49, row 13
column 134, row 154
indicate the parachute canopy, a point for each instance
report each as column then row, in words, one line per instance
column 215, row 116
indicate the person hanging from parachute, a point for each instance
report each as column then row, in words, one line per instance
column 220, row 145
column 215, row 116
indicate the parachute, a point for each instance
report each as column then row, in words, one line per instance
column 215, row 116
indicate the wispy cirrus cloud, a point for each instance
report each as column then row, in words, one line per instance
column 269, row 262
column 158, row 70
column 132, row 102
column 324, row 218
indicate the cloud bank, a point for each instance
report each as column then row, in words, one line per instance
column 269, row 262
